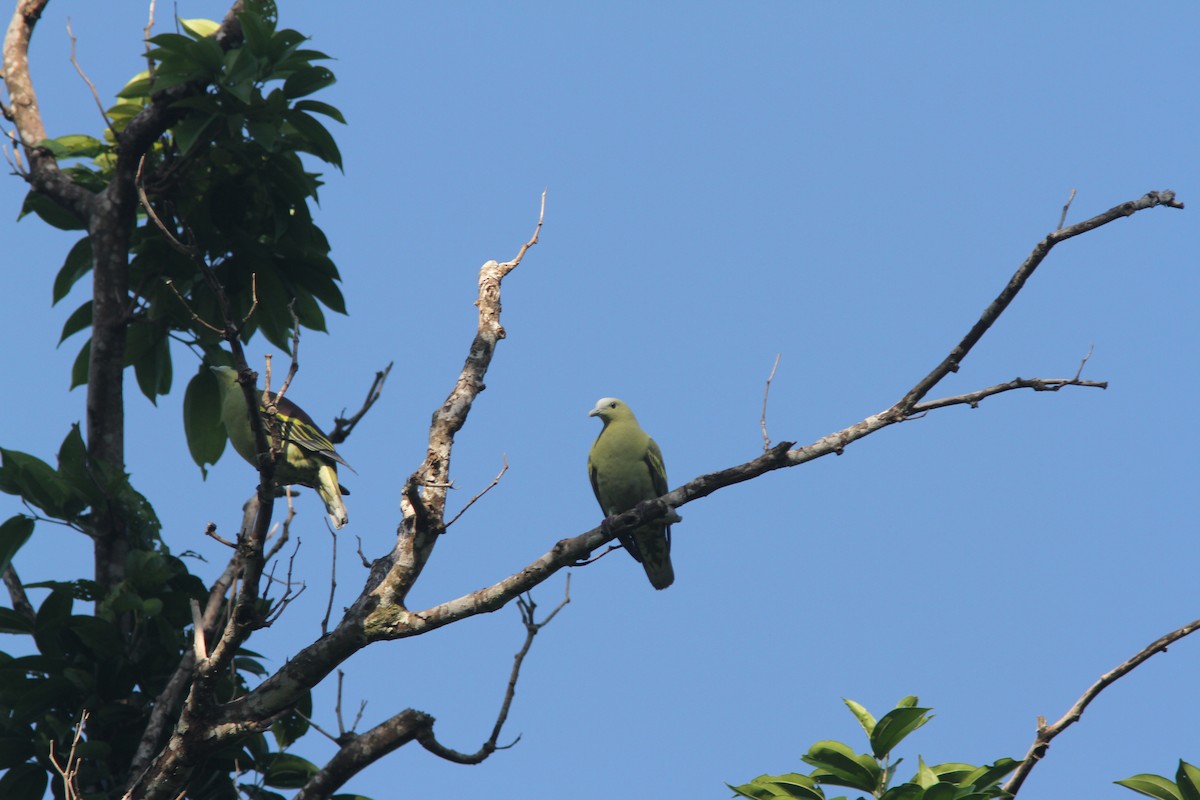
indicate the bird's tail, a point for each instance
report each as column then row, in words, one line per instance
column 331, row 493
column 653, row 549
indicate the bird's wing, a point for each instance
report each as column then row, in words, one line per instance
column 299, row 428
column 658, row 471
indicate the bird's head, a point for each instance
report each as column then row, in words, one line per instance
column 227, row 375
column 609, row 409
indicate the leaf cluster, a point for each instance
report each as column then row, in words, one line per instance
column 114, row 663
column 837, row 764
column 229, row 180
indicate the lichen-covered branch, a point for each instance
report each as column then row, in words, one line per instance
column 424, row 497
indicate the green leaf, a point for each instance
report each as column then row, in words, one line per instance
column 863, row 716
column 1187, row 778
column 894, row 726
column 768, row 787
column 905, row 791
column 941, row 791
column 74, row 145
column 317, row 139
column 171, row 44
column 191, row 130
column 306, row 81
column 79, row 369
column 287, row 771
column 208, row 54
column 14, row 533
column 294, row 724
column 202, row 424
column 80, row 319
column 50, row 212
column 23, row 782
column 841, row 766
column 40, row 484
column 907, row 702
column 139, row 85
column 987, row 776
column 317, row 107
column 925, row 776
column 1152, row 786
column 13, row 622
column 200, row 28
column 77, row 264
column 257, row 32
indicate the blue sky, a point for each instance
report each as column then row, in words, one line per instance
column 845, row 184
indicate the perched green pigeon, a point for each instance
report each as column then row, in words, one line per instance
column 626, row 467
column 309, row 458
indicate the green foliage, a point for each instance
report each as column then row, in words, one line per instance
column 1186, row 785
column 230, row 178
column 837, row 764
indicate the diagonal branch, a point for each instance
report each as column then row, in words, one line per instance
column 1046, row 733
column 424, row 496
column 1023, row 273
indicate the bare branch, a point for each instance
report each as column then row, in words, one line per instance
column 486, row 489
column 69, row 772
column 1046, row 733
column 1037, row 384
column 766, row 391
column 423, row 499
column 342, row 427
column 332, row 579
column 87, row 80
column 1063, row 219
column 1083, row 363
column 950, row 364
column 361, row 750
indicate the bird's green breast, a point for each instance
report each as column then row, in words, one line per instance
column 618, row 465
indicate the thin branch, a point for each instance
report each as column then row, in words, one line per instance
column 69, row 772
column 342, row 427
column 951, row 362
column 88, row 81
column 1063, row 219
column 210, row 530
column 528, row 610
column 766, row 391
column 486, row 489
column 1046, row 733
column 332, row 579
column 972, row 399
column 1083, row 363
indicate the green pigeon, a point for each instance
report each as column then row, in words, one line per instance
column 626, row 467
column 309, row 458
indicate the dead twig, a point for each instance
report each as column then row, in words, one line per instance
column 528, row 609
column 766, row 391
column 88, row 81
column 343, row 427
column 1046, row 733
column 1063, row 219
column 69, row 772
column 486, row 489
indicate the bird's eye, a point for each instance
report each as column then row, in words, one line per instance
column 612, row 405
